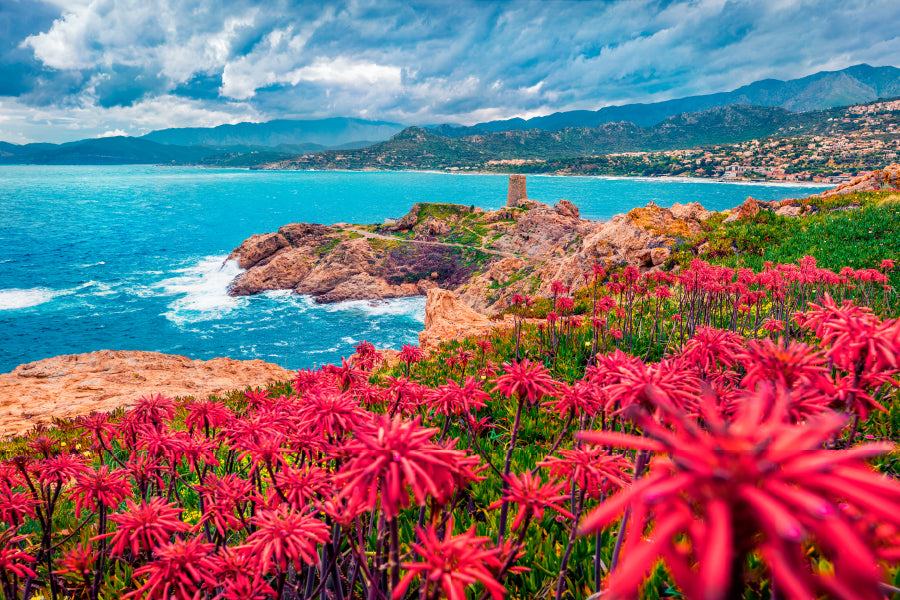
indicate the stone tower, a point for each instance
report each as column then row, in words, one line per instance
column 516, row 191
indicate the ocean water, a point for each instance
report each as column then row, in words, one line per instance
column 133, row 258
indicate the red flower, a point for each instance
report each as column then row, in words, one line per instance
column 525, row 380
column 404, row 396
column 410, row 354
column 452, row 564
column 332, row 413
column 12, row 559
column 580, row 397
column 594, row 469
column 101, row 487
column 453, row 399
column 397, row 454
column 224, row 497
column 144, row 526
column 713, row 349
column 626, row 380
column 283, row 535
column 757, row 483
column 300, row 486
column 79, row 561
column 346, row 375
column 238, row 573
column 60, row 469
column 179, row 571
column 532, row 497
column 206, row 415
column 15, row 506
column 153, row 409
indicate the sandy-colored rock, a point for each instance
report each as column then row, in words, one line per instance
column 567, row 209
column 282, row 271
column 258, row 247
column 659, row 255
column 432, row 226
column 880, row 179
column 78, row 384
column 409, row 220
column 690, row 211
column 747, row 210
column 789, row 211
column 447, row 318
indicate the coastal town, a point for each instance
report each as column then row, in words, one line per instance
column 852, row 142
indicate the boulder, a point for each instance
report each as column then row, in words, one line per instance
column 409, row 220
column 432, row 226
column 305, row 235
column 659, row 255
column 78, row 384
column 690, row 211
column 447, row 318
column 566, row 209
column 282, row 271
column 789, row 211
column 747, row 210
column 258, row 247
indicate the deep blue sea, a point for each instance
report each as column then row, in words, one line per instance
column 131, row 258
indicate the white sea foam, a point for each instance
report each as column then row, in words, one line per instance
column 413, row 307
column 15, row 299
column 201, row 290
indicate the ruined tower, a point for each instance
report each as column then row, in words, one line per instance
column 516, row 191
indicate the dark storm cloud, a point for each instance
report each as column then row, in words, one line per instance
column 195, row 62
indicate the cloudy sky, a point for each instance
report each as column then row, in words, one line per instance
column 71, row 69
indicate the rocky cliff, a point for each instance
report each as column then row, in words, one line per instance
column 77, row 384
column 484, row 256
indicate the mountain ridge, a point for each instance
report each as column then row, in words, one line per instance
column 825, row 89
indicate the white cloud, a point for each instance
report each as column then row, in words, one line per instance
column 172, row 38
column 112, row 133
column 346, row 72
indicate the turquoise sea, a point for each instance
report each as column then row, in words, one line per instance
column 131, row 258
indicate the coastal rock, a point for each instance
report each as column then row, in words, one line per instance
column 447, row 318
column 306, row 236
column 346, row 260
column 789, row 211
column 409, row 220
column 692, row 211
column 566, row 209
column 432, row 226
column 540, row 231
column 77, row 384
column 258, row 247
column 659, row 255
column 747, row 210
column 282, row 271
column 519, row 250
column 880, row 179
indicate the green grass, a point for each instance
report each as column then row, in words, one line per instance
column 858, row 238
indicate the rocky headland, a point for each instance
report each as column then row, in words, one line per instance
column 76, row 384
column 483, row 256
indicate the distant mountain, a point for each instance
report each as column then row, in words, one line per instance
column 329, row 133
column 826, row 89
column 416, row 147
column 103, row 151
